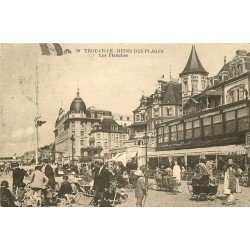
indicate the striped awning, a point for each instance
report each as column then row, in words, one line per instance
column 222, row 150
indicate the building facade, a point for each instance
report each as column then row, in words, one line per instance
column 215, row 118
column 109, row 135
column 123, row 120
column 163, row 105
column 73, row 128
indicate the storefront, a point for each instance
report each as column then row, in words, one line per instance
column 190, row 157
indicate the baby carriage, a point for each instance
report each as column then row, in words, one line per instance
column 171, row 184
column 166, row 183
column 160, row 182
column 203, row 188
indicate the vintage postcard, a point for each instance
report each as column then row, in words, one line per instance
column 125, row 125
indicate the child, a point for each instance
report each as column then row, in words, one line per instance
column 21, row 194
column 140, row 189
column 73, row 180
column 6, row 197
column 66, row 189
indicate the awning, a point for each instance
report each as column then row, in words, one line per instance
column 222, row 150
column 122, row 158
column 115, row 157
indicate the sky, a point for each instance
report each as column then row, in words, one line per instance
column 113, row 83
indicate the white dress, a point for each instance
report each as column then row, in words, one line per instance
column 177, row 175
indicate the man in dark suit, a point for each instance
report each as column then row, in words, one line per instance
column 101, row 183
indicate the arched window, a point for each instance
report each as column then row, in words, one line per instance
column 236, row 93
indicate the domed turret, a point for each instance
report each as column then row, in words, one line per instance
column 78, row 105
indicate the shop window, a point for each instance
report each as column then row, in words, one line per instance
column 230, row 121
column 173, row 133
column 243, row 119
column 197, row 128
column 189, row 132
column 180, row 131
column 217, row 124
column 207, row 126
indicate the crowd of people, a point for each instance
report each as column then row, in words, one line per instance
column 106, row 182
column 38, row 187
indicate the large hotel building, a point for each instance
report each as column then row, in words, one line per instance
column 93, row 132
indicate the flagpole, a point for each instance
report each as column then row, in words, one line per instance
column 37, row 109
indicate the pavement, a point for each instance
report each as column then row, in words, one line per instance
column 165, row 199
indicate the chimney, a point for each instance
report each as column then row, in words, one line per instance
column 225, row 60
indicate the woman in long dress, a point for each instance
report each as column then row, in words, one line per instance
column 177, row 176
column 231, row 182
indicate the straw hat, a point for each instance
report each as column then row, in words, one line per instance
column 138, row 172
column 60, row 172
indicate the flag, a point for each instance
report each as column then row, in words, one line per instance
column 67, row 51
column 49, row 49
column 39, row 123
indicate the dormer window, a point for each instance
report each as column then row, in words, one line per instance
column 137, row 118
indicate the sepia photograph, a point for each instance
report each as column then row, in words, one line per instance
column 125, row 125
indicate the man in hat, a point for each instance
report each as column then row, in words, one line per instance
column 140, row 189
column 101, row 183
column 38, row 184
column 18, row 177
column 201, row 167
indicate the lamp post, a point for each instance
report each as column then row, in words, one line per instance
column 146, row 137
column 72, row 138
